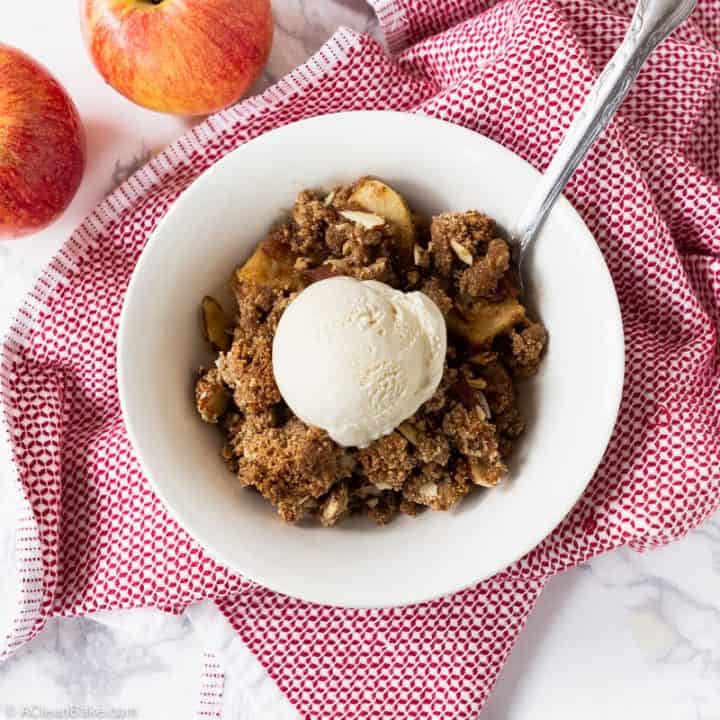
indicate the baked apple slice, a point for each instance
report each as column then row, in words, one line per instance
column 482, row 322
column 380, row 199
column 271, row 265
column 216, row 325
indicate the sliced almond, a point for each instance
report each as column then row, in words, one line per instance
column 478, row 476
column 328, row 199
column 336, row 263
column 483, row 404
column 368, row 220
column 323, row 272
column 372, row 502
column 331, row 509
column 408, row 432
column 383, row 486
column 368, row 490
column 483, row 358
column 376, row 197
column 462, row 252
column 477, row 383
column 216, row 324
column 429, row 490
column 421, row 256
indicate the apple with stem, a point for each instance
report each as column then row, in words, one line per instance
column 187, row 57
column 42, row 145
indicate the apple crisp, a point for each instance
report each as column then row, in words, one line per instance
column 457, row 440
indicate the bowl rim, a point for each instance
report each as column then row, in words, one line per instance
column 124, row 356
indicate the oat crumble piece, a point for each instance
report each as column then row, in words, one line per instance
column 438, row 401
column 433, row 448
column 387, row 462
column 247, row 369
column 383, row 508
column 255, row 300
column 292, row 463
column 471, row 230
column 211, row 396
column 499, row 389
column 510, row 423
column 310, row 218
column 482, row 278
column 380, row 270
column 412, row 278
column 471, row 433
column 408, row 507
column 480, row 471
column 337, row 235
column 434, row 289
column 526, row 349
column 435, row 488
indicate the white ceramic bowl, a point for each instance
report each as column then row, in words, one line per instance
column 571, row 405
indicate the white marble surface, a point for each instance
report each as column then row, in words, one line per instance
column 627, row 636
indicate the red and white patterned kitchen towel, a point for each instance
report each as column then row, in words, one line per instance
column 94, row 536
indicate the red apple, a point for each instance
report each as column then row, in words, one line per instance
column 188, row 57
column 42, row 145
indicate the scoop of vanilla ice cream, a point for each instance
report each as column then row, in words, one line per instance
column 357, row 358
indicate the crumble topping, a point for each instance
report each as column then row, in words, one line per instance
column 456, row 440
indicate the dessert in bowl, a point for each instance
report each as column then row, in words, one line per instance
column 569, row 406
column 370, row 365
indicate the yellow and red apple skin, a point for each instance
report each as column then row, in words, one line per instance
column 187, row 57
column 42, row 145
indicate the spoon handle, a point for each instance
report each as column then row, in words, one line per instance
column 652, row 22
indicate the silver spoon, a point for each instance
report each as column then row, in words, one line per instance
column 652, row 22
